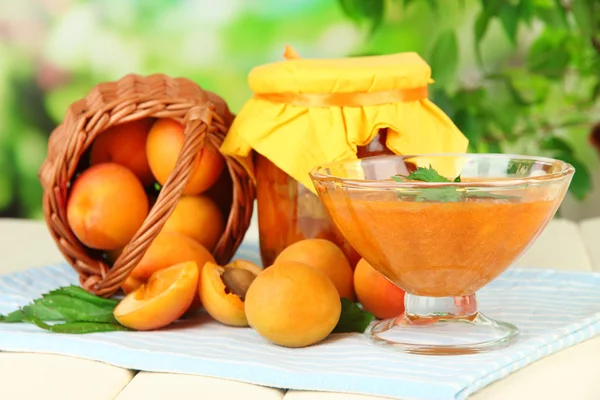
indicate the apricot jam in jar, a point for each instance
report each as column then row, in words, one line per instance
column 308, row 112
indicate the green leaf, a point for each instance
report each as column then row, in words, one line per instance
column 509, row 18
column 74, row 309
column 555, row 144
column 426, row 175
column 551, row 12
column 41, row 311
column 470, row 125
column 82, row 294
column 489, row 10
column 561, row 12
column 443, row 58
column 596, row 91
column 447, row 194
column 359, row 10
column 70, row 304
column 527, row 89
column 433, row 5
column 583, row 12
column 526, row 10
column 353, row 318
column 549, row 54
column 15, row 316
column 79, row 327
column 487, row 195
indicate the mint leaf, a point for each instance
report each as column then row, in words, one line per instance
column 353, row 318
column 73, row 309
column 486, row 195
column 82, row 294
column 442, row 194
column 426, row 175
column 15, row 316
column 79, row 327
column 68, row 304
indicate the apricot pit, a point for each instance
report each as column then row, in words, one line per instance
column 223, row 290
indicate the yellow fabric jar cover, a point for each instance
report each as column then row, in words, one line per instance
column 307, row 112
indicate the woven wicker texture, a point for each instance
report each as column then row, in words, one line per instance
column 206, row 119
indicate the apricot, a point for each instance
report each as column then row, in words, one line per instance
column 326, row 257
column 125, row 144
column 376, row 293
column 199, row 218
column 292, row 304
column 168, row 248
column 106, row 206
column 223, row 290
column 162, row 300
column 164, row 143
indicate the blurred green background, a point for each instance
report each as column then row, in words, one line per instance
column 516, row 76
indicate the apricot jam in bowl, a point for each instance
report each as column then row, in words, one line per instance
column 441, row 227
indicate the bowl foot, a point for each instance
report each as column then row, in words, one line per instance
column 443, row 336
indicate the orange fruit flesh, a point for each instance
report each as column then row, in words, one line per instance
column 162, row 300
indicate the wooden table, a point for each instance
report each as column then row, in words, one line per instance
column 569, row 374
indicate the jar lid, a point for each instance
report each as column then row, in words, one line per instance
column 343, row 75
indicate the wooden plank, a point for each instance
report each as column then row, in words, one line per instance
column 28, row 376
column 160, row 386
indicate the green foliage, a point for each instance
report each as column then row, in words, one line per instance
column 543, row 89
column 510, row 73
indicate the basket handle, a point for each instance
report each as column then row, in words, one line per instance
column 197, row 122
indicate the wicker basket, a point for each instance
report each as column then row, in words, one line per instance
column 206, row 118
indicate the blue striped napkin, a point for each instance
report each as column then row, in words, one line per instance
column 554, row 310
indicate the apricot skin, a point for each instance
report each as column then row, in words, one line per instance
column 227, row 308
column 162, row 300
column 168, row 248
column 165, row 141
column 377, row 294
column 293, row 305
column 106, row 206
column 125, row 144
column 326, row 257
column 199, row 218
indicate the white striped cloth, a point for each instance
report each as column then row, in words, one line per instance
column 553, row 310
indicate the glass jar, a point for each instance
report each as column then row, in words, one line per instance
column 288, row 212
column 308, row 112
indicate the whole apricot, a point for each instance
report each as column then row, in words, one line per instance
column 165, row 141
column 326, row 257
column 106, row 206
column 376, row 293
column 162, row 300
column 125, row 144
column 199, row 218
column 223, row 290
column 167, row 248
column 292, row 304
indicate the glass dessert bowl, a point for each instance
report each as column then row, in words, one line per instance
column 441, row 227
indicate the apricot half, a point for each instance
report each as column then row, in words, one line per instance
column 326, row 257
column 107, row 204
column 223, row 290
column 293, row 305
column 376, row 293
column 165, row 141
column 162, row 300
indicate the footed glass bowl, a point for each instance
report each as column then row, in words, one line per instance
column 442, row 241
